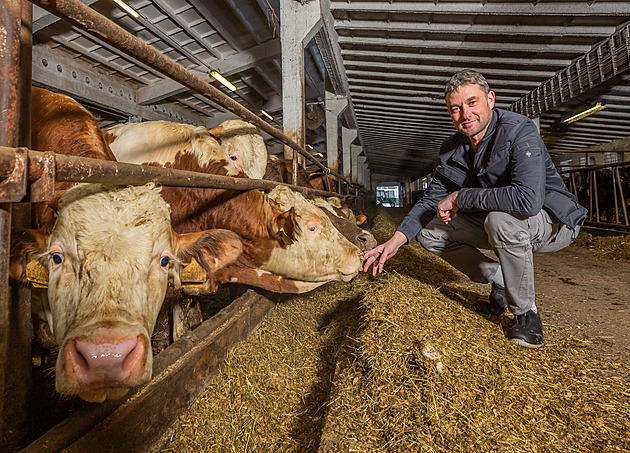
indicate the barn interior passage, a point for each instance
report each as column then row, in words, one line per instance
column 353, row 92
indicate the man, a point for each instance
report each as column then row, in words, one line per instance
column 495, row 188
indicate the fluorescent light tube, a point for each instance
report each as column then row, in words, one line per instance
column 223, row 80
column 127, row 8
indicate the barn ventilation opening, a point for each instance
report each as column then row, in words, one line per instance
column 390, row 195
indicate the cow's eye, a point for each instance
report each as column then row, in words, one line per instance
column 313, row 228
column 165, row 260
column 57, row 257
column 233, row 158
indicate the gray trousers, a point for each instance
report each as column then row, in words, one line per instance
column 512, row 238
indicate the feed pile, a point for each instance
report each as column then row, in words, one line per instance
column 401, row 363
column 613, row 247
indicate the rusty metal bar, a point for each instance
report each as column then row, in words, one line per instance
column 614, row 187
column 85, row 18
column 623, row 199
column 594, row 167
column 76, row 169
column 15, row 301
column 10, row 14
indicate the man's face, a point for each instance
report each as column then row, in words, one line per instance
column 470, row 109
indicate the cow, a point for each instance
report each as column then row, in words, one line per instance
column 242, row 140
column 160, row 141
column 109, row 253
column 266, row 228
column 279, row 170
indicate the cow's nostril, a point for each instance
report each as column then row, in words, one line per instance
column 362, row 239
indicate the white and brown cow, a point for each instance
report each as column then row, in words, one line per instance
column 242, row 142
column 266, row 228
column 109, row 252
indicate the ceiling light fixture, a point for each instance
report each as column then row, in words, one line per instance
column 578, row 116
column 318, row 155
column 309, row 146
column 266, row 114
column 127, row 8
column 223, row 80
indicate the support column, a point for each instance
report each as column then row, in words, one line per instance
column 355, row 150
column 335, row 105
column 347, row 137
column 298, row 24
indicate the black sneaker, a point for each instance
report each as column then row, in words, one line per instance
column 527, row 330
column 496, row 306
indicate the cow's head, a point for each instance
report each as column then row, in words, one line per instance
column 109, row 256
column 349, row 229
column 244, row 145
column 320, row 254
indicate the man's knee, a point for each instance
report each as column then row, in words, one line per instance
column 505, row 229
column 431, row 240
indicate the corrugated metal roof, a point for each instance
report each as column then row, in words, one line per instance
column 397, row 57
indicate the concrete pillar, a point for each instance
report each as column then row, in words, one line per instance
column 354, row 152
column 347, row 137
column 299, row 21
column 537, row 122
column 335, row 105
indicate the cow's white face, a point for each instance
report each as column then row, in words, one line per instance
column 245, row 146
column 321, row 254
column 109, row 257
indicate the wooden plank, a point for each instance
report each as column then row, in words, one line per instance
column 180, row 373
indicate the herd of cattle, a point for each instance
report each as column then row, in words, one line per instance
column 111, row 251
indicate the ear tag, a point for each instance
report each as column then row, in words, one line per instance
column 193, row 275
column 37, row 274
column 286, row 240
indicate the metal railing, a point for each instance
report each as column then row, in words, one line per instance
column 595, row 191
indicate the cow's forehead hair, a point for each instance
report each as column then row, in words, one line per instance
column 91, row 214
column 304, row 209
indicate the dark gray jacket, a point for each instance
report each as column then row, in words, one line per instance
column 512, row 173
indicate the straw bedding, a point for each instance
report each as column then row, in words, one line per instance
column 401, row 363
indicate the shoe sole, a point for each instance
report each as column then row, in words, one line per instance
column 521, row 342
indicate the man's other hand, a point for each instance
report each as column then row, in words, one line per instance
column 383, row 252
column 447, row 208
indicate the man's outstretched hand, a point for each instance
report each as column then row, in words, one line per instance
column 383, row 252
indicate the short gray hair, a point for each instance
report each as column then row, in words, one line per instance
column 466, row 77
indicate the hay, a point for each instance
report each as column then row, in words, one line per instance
column 355, row 367
column 612, row 247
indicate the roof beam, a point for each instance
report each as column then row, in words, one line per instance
column 554, row 31
column 487, row 9
column 424, row 43
column 605, row 61
column 457, row 65
column 433, row 58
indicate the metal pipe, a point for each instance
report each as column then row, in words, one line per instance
column 77, row 169
column 596, row 167
column 10, row 20
column 85, row 18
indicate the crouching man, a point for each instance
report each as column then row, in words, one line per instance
column 495, row 188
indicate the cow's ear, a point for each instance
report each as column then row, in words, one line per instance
column 217, row 132
column 27, row 245
column 213, row 249
column 361, row 219
column 286, row 226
